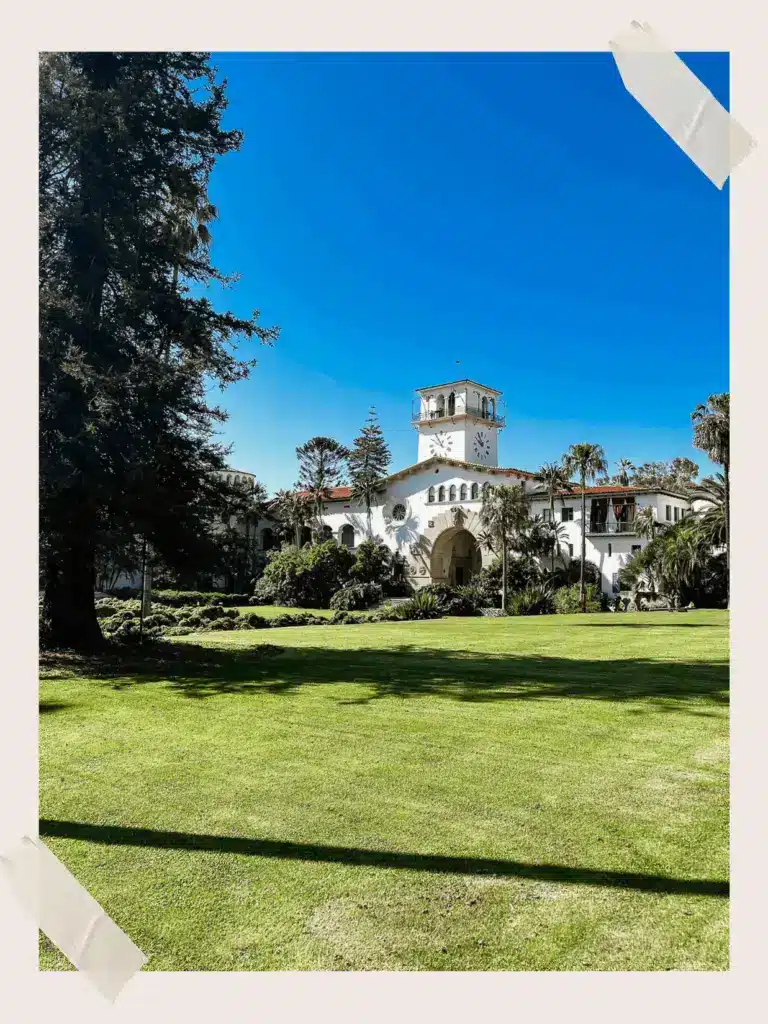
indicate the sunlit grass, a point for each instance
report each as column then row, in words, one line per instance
column 462, row 794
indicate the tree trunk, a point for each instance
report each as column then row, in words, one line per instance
column 727, row 512
column 69, row 614
column 555, row 543
column 582, row 593
column 504, row 572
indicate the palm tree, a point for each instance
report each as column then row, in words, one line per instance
column 554, row 478
column 504, row 515
column 587, row 460
column 645, row 524
column 292, row 509
column 711, row 434
column 712, row 518
column 625, row 467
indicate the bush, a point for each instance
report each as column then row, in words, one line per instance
column 164, row 618
column 305, row 577
column 530, row 601
column 343, row 618
column 357, row 597
column 180, row 598
column 568, row 575
column 179, row 631
column 298, row 619
column 420, row 606
column 566, row 599
column 221, row 624
column 212, row 612
column 254, row 621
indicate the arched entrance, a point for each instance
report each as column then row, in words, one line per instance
column 456, row 557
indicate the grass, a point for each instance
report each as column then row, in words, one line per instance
column 543, row 793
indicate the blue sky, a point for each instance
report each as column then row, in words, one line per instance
column 517, row 219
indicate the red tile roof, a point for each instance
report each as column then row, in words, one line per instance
column 334, row 493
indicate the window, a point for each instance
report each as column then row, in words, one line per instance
column 610, row 550
column 486, row 489
column 567, row 515
column 475, row 492
column 452, row 404
column 546, row 515
column 463, row 492
column 398, row 512
column 615, row 585
column 452, row 493
column 669, row 512
column 570, row 550
column 636, row 548
column 441, row 405
column 677, row 514
column 492, row 408
column 326, row 533
column 441, row 494
column 267, row 540
column 431, row 494
column 347, row 536
column 484, row 407
column 306, row 536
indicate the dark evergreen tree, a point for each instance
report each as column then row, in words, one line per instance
column 127, row 351
column 368, row 463
column 322, row 464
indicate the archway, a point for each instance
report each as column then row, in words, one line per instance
column 456, row 557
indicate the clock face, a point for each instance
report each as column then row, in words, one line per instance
column 441, row 444
column 481, row 446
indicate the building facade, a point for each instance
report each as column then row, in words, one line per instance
column 429, row 511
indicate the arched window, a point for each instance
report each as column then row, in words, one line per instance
column 492, row 408
column 452, row 493
column 452, row 404
column 267, row 539
column 486, row 489
column 326, row 533
column 441, row 494
column 475, row 491
column 484, row 407
column 431, row 494
column 347, row 536
column 441, row 405
column 463, row 492
column 306, row 536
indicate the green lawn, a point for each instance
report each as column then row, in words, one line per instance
column 543, row 793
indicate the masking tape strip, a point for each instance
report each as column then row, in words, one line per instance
column 680, row 102
column 71, row 917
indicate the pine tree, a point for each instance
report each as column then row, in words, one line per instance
column 321, row 466
column 127, row 145
column 368, row 462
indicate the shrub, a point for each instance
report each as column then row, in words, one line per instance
column 212, row 612
column 254, row 621
column 219, row 624
column 179, row 631
column 530, row 601
column 163, row 618
column 180, row 598
column 568, row 575
column 566, row 599
column 357, row 597
column 373, row 563
column 420, row 606
column 344, row 618
column 443, row 592
column 305, row 577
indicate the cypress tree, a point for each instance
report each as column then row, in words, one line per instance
column 127, row 350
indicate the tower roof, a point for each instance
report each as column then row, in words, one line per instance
column 456, row 383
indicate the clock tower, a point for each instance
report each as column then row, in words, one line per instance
column 460, row 420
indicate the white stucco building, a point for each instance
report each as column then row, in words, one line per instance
column 429, row 510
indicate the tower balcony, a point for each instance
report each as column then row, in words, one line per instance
column 495, row 417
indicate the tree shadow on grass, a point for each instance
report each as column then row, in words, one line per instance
column 404, row 671
column 433, row 863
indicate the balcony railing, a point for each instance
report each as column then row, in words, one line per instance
column 426, row 416
column 596, row 527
